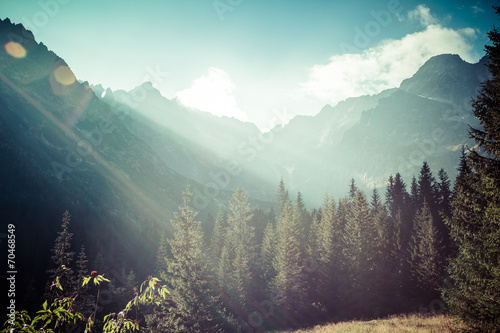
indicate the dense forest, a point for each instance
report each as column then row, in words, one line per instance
column 356, row 257
column 419, row 246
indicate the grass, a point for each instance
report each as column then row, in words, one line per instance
column 400, row 323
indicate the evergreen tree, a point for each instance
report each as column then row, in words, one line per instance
column 376, row 202
column 425, row 255
column 327, row 237
column 414, row 198
column 382, row 258
column 187, row 273
column 474, row 293
column 282, row 197
column 444, row 195
column 444, row 192
column 357, row 256
column 62, row 258
column 238, row 255
column 289, row 283
column 218, row 234
column 85, row 302
column 352, row 189
column 162, row 253
column 267, row 253
column 304, row 220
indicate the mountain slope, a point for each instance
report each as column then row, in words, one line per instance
column 369, row 138
column 64, row 148
column 212, row 150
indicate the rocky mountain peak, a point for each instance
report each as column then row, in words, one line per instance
column 447, row 78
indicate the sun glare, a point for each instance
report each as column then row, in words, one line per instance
column 14, row 49
column 64, row 75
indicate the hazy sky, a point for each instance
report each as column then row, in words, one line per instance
column 253, row 59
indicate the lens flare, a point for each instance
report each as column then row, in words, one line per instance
column 64, row 75
column 14, row 49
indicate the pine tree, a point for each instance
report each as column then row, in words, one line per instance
column 414, row 199
column 328, row 248
column 444, row 195
column 162, row 253
column 396, row 195
column 62, row 258
column 238, row 255
column 474, row 293
column 267, row 253
column 357, row 255
column 305, row 218
column 352, row 189
column 218, row 234
column 376, row 203
column 382, row 258
column 281, row 197
column 289, row 282
column 425, row 255
column 85, row 302
column 187, row 273
column 82, row 269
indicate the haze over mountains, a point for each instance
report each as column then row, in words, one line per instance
column 366, row 138
column 119, row 161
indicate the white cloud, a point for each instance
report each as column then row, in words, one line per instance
column 477, row 9
column 387, row 64
column 423, row 15
column 212, row 93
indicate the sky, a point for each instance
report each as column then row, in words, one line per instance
column 254, row 59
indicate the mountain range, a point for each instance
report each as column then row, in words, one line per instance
column 119, row 161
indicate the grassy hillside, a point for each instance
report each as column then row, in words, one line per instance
column 401, row 323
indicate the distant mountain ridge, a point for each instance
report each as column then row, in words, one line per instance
column 320, row 154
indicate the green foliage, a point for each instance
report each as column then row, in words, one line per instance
column 289, row 283
column 62, row 258
column 188, row 272
column 473, row 290
column 151, row 294
column 96, row 280
column 425, row 255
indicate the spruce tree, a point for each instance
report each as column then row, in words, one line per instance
column 425, row 259
column 267, row 254
column 444, row 195
column 328, row 240
column 62, row 258
column 187, row 273
column 281, row 197
column 85, row 302
column 217, row 242
column 414, row 199
column 382, row 257
column 239, row 254
column 474, row 290
column 426, row 187
column 289, row 283
column 162, row 253
column 357, row 255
